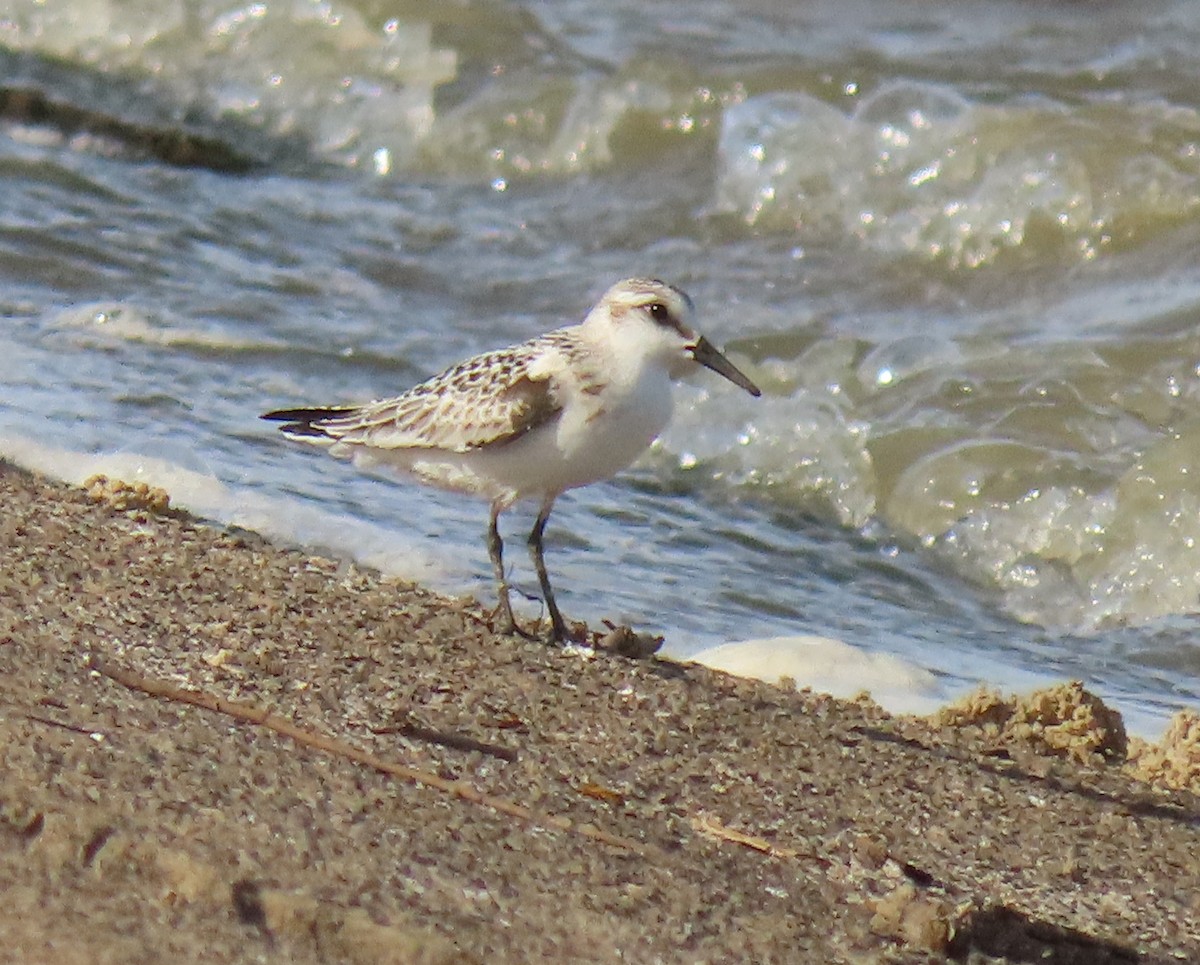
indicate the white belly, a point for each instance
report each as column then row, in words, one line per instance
column 581, row 447
column 586, row 443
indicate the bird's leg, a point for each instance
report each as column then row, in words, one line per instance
column 559, row 634
column 496, row 553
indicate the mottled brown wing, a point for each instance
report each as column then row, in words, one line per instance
column 486, row 403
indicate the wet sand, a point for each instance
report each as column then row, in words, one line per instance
column 376, row 777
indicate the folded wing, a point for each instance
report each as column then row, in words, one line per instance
column 488, row 401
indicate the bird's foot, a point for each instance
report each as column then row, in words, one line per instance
column 505, row 624
column 562, row 632
column 559, row 633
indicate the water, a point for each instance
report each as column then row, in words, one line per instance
column 955, row 243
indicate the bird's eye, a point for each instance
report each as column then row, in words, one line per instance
column 659, row 312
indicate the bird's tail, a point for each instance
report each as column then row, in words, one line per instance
column 308, row 424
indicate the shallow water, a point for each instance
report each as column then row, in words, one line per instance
column 955, row 244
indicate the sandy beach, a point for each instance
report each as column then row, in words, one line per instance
column 216, row 750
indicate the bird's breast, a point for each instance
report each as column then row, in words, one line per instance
column 605, row 431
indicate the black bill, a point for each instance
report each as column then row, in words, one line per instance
column 711, row 358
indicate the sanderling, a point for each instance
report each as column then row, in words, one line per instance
column 565, row 409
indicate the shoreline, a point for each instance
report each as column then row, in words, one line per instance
column 908, row 685
column 594, row 807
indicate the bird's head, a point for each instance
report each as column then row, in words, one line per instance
column 653, row 319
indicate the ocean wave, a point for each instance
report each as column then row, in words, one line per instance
column 1061, row 478
column 356, row 90
column 916, row 169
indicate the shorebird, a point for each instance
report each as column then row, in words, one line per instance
column 562, row 410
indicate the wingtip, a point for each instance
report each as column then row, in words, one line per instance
column 308, row 414
column 305, row 424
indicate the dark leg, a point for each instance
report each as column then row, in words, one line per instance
column 535, row 550
column 496, row 551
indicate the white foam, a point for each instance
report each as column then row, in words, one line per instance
column 833, row 667
column 285, row 521
column 101, row 323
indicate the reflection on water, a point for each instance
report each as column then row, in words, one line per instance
column 960, row 263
